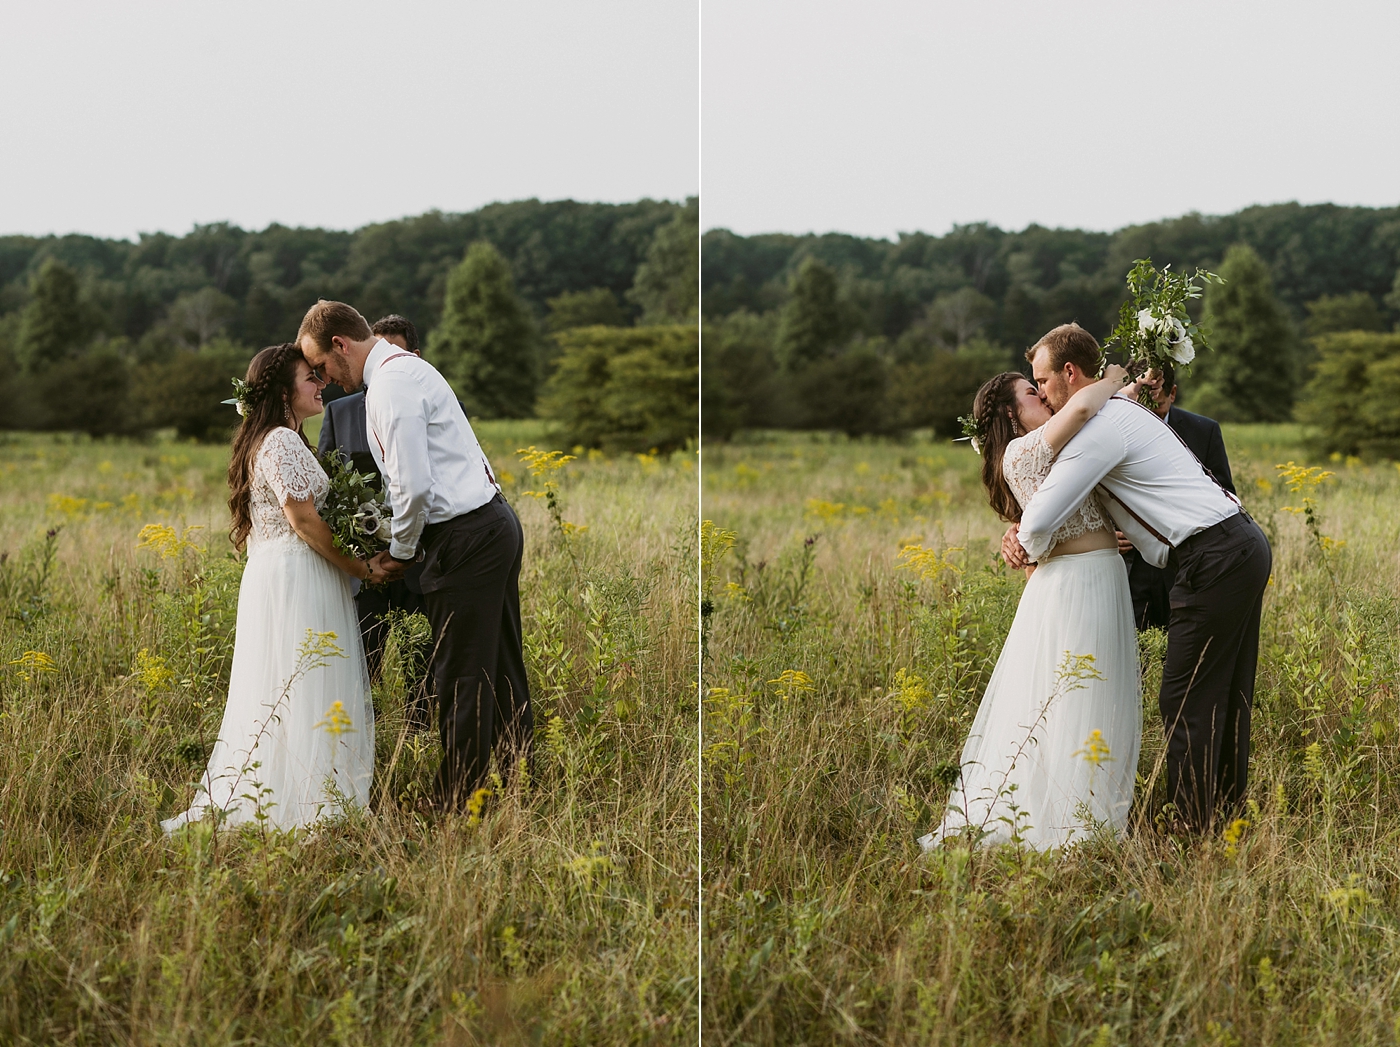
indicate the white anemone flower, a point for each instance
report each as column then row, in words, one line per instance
column 368, row 520
column 385, row 531
column 1182, row 350
column 1147, row 323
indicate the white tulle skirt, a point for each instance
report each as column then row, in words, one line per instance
column 1034, row 766
column 285, row 749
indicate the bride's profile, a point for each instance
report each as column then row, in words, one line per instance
column 297, row 738
column 1053, row 749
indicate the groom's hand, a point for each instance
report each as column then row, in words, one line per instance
column 1124, row 546
column 387, row 567
column 1011, row 550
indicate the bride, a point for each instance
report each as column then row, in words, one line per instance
column 297, row 738
column 1053, row 750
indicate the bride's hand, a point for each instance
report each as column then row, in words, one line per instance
column 1117, row 374
column 368, row 576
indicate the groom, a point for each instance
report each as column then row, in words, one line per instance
column 448, row 511
column 1172, row 512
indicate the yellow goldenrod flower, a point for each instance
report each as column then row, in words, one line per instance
column 337, row 721
column 792, row 682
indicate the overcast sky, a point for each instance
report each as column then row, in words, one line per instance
column 118, row 118
column 898, row 115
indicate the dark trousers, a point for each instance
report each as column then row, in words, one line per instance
column 1212, row 653
column 471, row 586
column 373, row 606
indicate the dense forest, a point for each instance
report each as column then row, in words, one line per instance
column 117, row 336
column 876, row 335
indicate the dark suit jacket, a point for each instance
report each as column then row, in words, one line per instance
column 1202, row 436
column 1151, row 586
column 344, row 429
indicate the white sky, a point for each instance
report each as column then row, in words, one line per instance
column 895, row 115
column 145, row 115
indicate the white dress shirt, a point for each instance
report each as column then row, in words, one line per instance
column 433, row 466
column 1132, row 453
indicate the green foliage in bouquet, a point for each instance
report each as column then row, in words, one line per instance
column 1153, row 325
column 356, row 513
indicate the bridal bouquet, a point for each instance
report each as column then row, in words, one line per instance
column 1153, row 325
column 354, row 511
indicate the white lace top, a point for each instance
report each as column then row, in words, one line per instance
column 284, row 468
column 1026, row 464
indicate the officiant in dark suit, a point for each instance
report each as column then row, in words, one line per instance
column 343, row 429
column 1150, row 586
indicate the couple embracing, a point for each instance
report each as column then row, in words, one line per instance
column 1053, row 751
column 297, row 738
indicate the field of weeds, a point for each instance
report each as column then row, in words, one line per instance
column 566, row 914
column 854, row 609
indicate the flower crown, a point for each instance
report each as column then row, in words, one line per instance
column 239, row 400
column 972, row 432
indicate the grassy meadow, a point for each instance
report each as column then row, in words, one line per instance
column 565, row 914
column 855, row 609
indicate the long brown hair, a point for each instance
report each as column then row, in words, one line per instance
column 271, row 380
column 994, row 409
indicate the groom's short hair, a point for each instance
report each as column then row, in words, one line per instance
column 399, row 325
column 326, row 320
column 1070, row 344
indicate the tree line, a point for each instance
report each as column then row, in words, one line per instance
column 869, row 336
column 116, row 337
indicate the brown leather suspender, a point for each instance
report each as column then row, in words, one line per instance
column 1150, row 529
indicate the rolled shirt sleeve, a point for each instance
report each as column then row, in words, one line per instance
column 408, row 474
column 1080, row 467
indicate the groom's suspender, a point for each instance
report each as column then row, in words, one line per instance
column 484, row 463
column 1150, row 529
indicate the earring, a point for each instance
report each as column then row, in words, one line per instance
column 287, row 412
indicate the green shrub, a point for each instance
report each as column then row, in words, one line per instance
column 625, row 389
column 185, row 391
column 1352, row 397
column 936, row 393
column 848, row 392
column 741, row 386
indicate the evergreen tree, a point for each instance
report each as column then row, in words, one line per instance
column 667, row 284
column 812, row 324
column 485, row 344
column 1250, row 374
column 54, row 326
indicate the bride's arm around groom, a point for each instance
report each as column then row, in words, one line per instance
column 1163, row 500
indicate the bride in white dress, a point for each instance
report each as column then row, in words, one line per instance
column 297, row 739
column 1053, row 750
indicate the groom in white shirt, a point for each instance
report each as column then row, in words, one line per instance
column 448, row 511
column 1171, row 510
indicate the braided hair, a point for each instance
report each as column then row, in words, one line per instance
column 994, row 410
column 266, row 403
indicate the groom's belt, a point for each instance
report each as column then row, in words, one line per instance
column 432, row 530
column 1217, row 530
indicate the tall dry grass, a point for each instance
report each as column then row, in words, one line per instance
column 838, row 690
column 565, row 916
